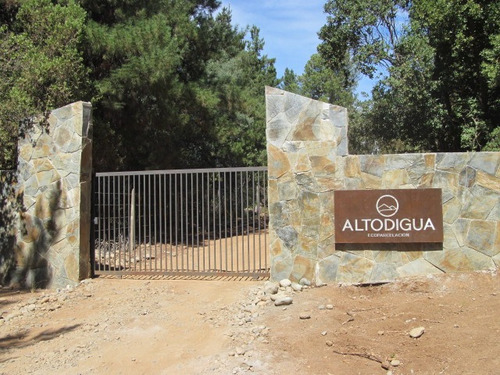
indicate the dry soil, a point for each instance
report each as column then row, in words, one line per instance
column 230, row 326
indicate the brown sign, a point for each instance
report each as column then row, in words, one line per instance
column 398, row 215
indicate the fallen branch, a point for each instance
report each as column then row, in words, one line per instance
column 371, row 357
column 350, row 319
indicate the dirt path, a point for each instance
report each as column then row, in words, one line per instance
column 110, row 326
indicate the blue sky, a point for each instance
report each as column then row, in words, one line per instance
column 289, row 29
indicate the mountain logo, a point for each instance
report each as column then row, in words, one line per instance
column 387, row 206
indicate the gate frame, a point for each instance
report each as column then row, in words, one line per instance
column 262, row 272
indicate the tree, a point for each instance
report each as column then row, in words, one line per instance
column 41, row 66
column 240, row 111
column 161, row 72
column 441, row 88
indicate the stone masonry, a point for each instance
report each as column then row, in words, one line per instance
column 308, row 160
column 54, row 187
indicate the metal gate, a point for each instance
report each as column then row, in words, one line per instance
column 181, row 222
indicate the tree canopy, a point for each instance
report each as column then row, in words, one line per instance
column 439, row 60
column 172, row 82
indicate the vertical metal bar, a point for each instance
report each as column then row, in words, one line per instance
column 145, row 231
column 231, row 219
column 236, row 174
column 176, row 221
column 163, row 224
column 219, row 195
column 225, row 220
column 242, row 213
column 198, row 221
column 248, row 222
column 155, row 187
column 170, row 220
column 137, row 218
column 149, row 214
column 192, row 223
column 258, row 220
column 124, row 219
column 98, row 264
column 106, row 238
column 181, row 219
column 186, row 240
column 254, row 249
column 112, row 208
column 118, row 219
column 213, row 218
column 203, row 218
column 266, row 205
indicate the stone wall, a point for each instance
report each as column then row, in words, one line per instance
column 308, row 160
column 53, row 189
column 8, row 220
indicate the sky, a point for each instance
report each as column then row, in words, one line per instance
column 289, row 29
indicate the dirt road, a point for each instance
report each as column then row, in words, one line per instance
column 131, row 326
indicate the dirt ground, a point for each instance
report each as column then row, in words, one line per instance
column 230, row 326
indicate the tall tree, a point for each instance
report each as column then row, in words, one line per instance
column 240, row 111
column 41, row 65
column 441, row 88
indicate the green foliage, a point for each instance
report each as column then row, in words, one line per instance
column 171, row 83
column 175, row 86
column 441, row 92
column 41, row 65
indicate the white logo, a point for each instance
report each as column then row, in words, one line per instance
column 387, row 206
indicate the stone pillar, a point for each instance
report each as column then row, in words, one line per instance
column 304, row 138
column 54, row 184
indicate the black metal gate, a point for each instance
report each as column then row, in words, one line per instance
column 188, row 222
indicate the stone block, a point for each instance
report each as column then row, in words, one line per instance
column 275, row 103
column 417, row 169
column 478, row 202
column 281, row 267
column 448, row 181
column 488, row 162
column 394, row 179
column 410, row 256
column 451, row 210
column 483, row 236
column 467, row 177
column 322, row 165
column 426, row 181
column 303, row 267
column 461, row 228
column 287, row 191
column 488, row 181
column 289, row 237
column 417, row 267
column 277, row 161
column 387, row 256
column 326, row 247
column 328, row 270
column 451, row 161
column 307, row 182
column 352, row 167
column 275, row 249
column 430, row 161
column 370, row 181
column 459, row 260
column 383, row 272
column 372, row 164
column 328, row 184
column 354, row 269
